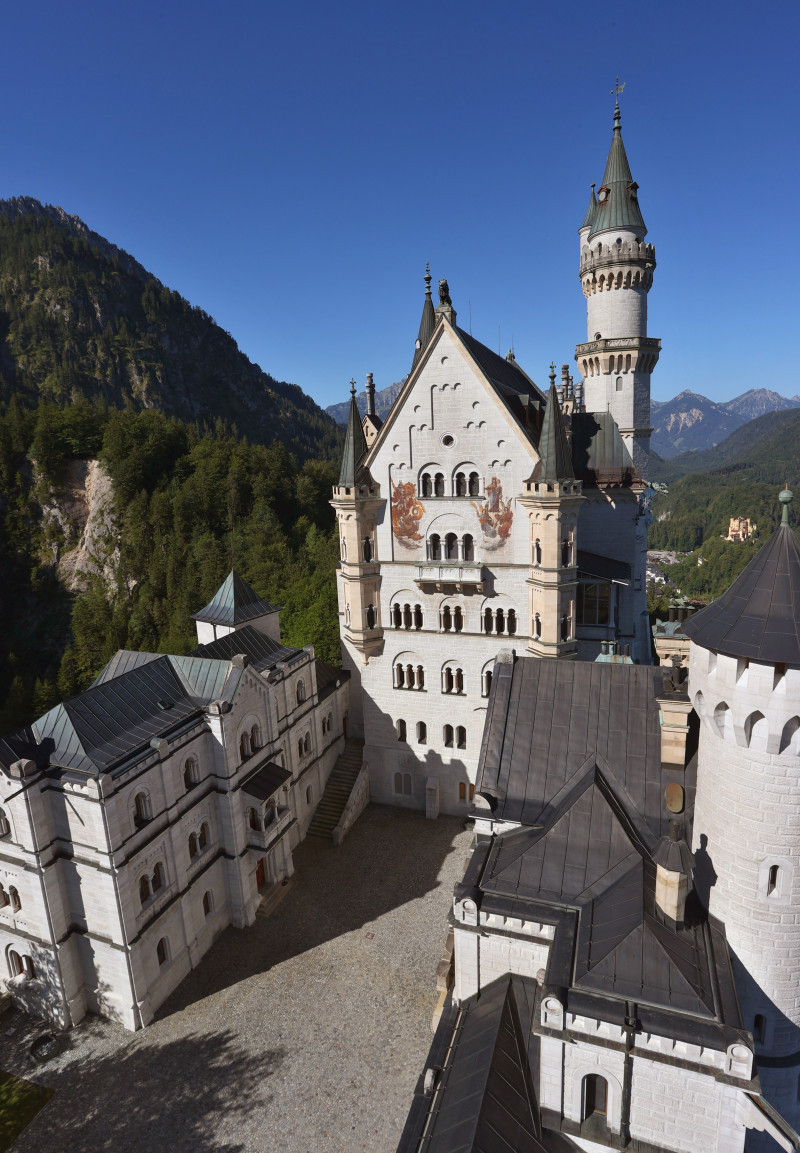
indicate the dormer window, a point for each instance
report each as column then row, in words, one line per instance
column 603, row 195
column 633, row 189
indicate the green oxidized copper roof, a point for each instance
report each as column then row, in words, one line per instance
column 355, row 445
column 617, row 204
column 555, row 460
column 590, row 211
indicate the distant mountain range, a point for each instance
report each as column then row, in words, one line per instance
column 81, row 319
column 691, row 422
column 384, row 399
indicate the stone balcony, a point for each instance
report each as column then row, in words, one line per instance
column 612, row 344
column 274, row 824
column 442, row 576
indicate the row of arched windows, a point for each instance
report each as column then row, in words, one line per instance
column 464, row 482
column 500, row 621
column 452, row 680
column 21, row 963
column 327, row 724
column 756, row 728
column 407, row 616
column 249, row 742
column 450, row 547
column 149, row 886
column 198, row 842
column 304, row 745
column 565, row 627
column 452, row 737
column 566, row 552
column 452, row 619
column 409, row 676
column 10, row 899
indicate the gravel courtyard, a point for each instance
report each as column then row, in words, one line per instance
column 305, row 1033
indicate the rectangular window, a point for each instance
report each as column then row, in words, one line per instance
column 594, row 603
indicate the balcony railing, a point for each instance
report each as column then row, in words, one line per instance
column 446, row 574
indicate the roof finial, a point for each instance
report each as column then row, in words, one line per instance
column 615, row 91
column 552, row 373
column 352, row 388
column 785, row 498
column 427, row 278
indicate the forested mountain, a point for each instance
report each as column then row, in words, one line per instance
column 79, row 318
column 765, row 449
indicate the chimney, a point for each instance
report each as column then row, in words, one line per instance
column 674, row 863
column 673, row 613
column 370, row 395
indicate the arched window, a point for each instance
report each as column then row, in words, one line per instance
column 487, row 620
column 255, row 738
column 566, row 626
column 370, row 616
column 141, row 809
column 191, row 773
column 252, row 819
column 5, row 827
column 789, row 734
column 511, row 622
column 144, row 890
column 759, row 1028
column 192, row 846
column 30, row 968
column 420, row 677
column 500, row 622
column 461, row 484
column 459, row 681
column 435, row 547
column 324, row 725
column 458, row 619
column 447, row 618
column 300, row 747
column 410, row 677
column 595, row 1096
column 461, row 737
column 203, row 838
column 398, row 783
column 162, row 951
column 451, row 546
column 400, row 726
column 427, row 488
column 309, row 794
column 474, row 484
column 344, row 549
column 447, row 681
column 537, row 626
column 307, row 743
column 772, row 880
column 438, row 484
column 366, row 549
column 486, row 684
column 301, row 692
column 208, row 903
column 417, row 616
column 756, row 731
column 158, row 877
column 397, row 616
column 537, row 552
column 15, row 963
column 422, row 733
column 3, row 897
column 13, row 899
column 468, row 547
column 462, row 790
column 407, row 616
column 722, row 719
column 448, row 736
column 399, row 677
column 347, row 615
column 565, row 552
column 407, row 790
column 244, row 746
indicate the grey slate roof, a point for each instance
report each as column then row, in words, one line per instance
column 621, row 207
column 112, row 724
column 521, row 395
column 589, row 217
column 555, row 462
column 427, row 322
column 759, row 615
column 261, row 652
column 266, row 780
column 599, row 455
column 233, row 603
column 355, row 447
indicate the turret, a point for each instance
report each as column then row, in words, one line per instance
column 744, row 682
column 616, row 271
column 428, row 321
column 357, row 502
column 552, row 498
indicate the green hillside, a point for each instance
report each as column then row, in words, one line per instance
column 765, row 449
column 79, row 318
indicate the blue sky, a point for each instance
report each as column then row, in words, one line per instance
column 291, row 168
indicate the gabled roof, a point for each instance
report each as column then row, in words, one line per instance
column 355, row 447
column 555, row 461
column 620, row 207
column 262, row 652
column 235, row 602
column 759, row 615
column 266, row 780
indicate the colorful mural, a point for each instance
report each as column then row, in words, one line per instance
column 495, row 516
column 407, row 512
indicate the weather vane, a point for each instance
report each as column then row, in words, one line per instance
column 617, row 89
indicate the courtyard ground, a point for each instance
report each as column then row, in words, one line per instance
column 305, row 1033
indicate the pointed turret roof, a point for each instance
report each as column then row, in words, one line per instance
column 355, row 445
column 234, row 603
column 590, row 211
column 555, row 459
column 618, row 204
column 428, row 321
column 759, row 616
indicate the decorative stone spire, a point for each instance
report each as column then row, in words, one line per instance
column 370, row 388
column 355, row 445
column 428, row 321
column 555, row 459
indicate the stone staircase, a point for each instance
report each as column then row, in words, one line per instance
column 338, row 789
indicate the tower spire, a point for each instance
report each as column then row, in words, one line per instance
column 355, row 445
column 428, row 321
column 555, row 459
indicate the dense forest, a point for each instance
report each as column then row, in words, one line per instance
column 187, row 504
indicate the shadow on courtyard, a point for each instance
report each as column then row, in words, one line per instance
column 390, row 857
column 150, row 1094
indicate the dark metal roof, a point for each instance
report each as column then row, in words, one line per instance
column 599, row 454
column 428, row 321
column 266, row 781
column 328, row 678
column 759, row 615
column 521, row 396
column 546, row 719
column 262, row 652
column 554, row 462
column 589, row 217
column 234, row 602
column 620, row 207
column 603, row 567
column 355, row 447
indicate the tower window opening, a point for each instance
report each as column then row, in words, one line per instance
column 407, row 618
column 447, row 619
column 451, row 546
column 370, row 616
column 438, row 484
column 448, row 681
column 417, row 616
column 500, row 622
column 400, row 677
column 366, row 549
column 458, row 619
column 759, row 1028
column 619, row 383
column 435, row 547
column 487, row 620
column 537, row 626
column 420, row 677
column 397, row 616
column 448, row 736
column 468, row 548
column 410, row 677
column 427, row 488
column 422, row 733
column 537, row 552
column 565, row 552
column 401, row 730
column 566, row 626
column 772, row 881
column 487, row 682
column 595, row 1096
column 461, row 737
column 474, row 484
column 461, row 484
column 511, row 622
column 459, row 681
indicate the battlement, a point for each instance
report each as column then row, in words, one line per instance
column 597, row 256
column 617, row 354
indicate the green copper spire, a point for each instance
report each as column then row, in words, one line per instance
column 428, row 322
column 785, row 498
column 590, row 211
column 355, row 446
column 617, row 201
column 555, row 459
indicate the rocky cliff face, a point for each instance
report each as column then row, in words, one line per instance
column 80, row 522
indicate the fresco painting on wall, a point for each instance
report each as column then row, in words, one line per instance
column 495, row 516
column 407, row 512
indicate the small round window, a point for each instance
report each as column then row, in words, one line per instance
column 674, row 797
column 448, row 441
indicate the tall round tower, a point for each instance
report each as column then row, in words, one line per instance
column 744, row 682
column 616, row 271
